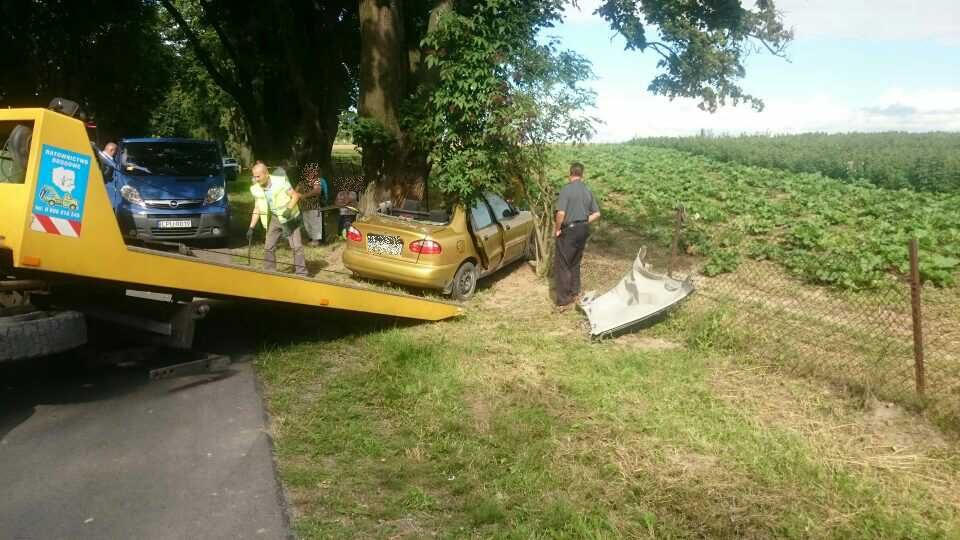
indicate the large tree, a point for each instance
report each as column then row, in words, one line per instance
column 290, row 66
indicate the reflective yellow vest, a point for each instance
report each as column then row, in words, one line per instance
column 279, row 199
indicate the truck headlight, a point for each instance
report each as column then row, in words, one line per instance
column 131, row 195
column 214, row 194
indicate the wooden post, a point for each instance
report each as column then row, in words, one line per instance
column 918, row 365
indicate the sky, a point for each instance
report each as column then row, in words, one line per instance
column 854, row 65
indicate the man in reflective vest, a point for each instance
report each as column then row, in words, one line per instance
column 275, row 205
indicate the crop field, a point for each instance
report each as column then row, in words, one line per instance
column 921, row 161
column 846, row 234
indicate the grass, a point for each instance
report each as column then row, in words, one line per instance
column 510, row 423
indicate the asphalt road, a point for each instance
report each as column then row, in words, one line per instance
column 105, row 453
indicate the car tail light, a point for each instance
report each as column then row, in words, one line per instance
column 425, row 247
column 354, row 235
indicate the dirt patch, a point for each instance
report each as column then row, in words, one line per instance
column 645, row 343
column 404, row 528
column 481, row 410
column 892, row 427
column 516, row 286
column 334, row 257
column 692, row 464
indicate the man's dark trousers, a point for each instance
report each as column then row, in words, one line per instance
column 566, row 265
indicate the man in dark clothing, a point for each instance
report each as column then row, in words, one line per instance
column 576, row 210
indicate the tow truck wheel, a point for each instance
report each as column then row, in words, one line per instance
column 464, row 281
column 39, row 333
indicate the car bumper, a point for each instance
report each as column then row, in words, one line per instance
column 400, row 272
column 150, row 226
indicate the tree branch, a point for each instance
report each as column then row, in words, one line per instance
column 227, row 45
column 776, row 52
column 228, row 86
column 658, row 47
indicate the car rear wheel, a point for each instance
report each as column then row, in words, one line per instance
column 464, row 281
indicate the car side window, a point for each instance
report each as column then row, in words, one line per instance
column 500, row 207
column 480, row 215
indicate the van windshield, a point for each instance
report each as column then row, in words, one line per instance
column 171, row 159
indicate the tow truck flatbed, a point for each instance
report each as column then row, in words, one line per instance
column 42, row 239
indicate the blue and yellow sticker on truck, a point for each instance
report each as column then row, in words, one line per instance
column 61, row 191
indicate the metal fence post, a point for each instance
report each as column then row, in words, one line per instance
column 918, row 366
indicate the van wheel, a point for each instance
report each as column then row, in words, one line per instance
column 464, row 282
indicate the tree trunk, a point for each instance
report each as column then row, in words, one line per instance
column 383, row 76
column 389, row 71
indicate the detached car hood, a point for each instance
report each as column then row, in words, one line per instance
column 639, row 296
column 172, row 187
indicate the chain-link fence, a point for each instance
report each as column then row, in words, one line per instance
column 866, row 339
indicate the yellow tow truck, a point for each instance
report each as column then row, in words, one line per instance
column 62, row 264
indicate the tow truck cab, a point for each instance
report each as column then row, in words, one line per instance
column 170, row 189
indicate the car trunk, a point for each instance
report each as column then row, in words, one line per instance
column 391, row 237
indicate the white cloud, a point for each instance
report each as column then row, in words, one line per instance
column 630, row 114
column 937, row 20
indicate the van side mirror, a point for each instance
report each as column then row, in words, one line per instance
column 508, row 213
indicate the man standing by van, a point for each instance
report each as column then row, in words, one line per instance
column 576, row 210
column 275, row 205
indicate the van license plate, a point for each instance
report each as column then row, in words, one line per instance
column 175, row 224
column 382, row 244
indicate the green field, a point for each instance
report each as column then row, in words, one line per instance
column 847, row 234
column 919, row 161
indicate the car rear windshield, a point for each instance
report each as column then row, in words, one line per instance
column 413, row 209
column 171, row 159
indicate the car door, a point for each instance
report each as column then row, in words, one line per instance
column 514, row 234
column 487, row 234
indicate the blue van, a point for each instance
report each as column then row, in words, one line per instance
column 170, row 189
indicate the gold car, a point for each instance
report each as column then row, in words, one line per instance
column 437, row 250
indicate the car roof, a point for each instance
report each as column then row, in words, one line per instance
column 167, row 140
